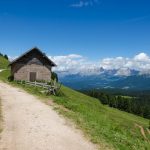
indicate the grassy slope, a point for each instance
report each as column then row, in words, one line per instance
column 4, row 75
column 105, row 126
column 3, row 63
column 103, row 123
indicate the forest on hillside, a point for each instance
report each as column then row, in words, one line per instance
column 135, row 102
column 4, row 55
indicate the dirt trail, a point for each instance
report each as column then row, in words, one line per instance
column 31, row 125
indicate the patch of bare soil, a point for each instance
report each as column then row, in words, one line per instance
column 142, row 131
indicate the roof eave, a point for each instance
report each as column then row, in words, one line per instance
column 53, row 64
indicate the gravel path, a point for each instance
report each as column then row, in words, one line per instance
column 32, row 125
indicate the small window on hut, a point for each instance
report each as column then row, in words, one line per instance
column 32, row 76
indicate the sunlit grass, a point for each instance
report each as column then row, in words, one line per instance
column 3, row 63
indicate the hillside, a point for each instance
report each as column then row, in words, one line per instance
column 102, row 123
column 3, row 63
column 108, row 127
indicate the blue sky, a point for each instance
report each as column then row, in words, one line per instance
column 95, row 29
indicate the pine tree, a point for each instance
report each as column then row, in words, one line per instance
column 5, row 56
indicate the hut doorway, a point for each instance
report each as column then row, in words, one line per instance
column 32, row 76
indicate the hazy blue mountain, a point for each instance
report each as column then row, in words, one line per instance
column 137, row 82
column 107, row 79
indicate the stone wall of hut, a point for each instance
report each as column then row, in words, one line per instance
column 22, row 72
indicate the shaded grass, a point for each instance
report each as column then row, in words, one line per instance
column 108, row 127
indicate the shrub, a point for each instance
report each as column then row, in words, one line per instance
column 11, row 78
column 54, row 76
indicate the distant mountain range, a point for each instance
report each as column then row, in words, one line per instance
column 107, row 79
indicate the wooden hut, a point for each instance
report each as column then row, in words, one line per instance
column 33, row 65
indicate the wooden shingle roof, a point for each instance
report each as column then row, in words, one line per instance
column 29, row 51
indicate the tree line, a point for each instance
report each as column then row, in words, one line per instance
column 4, row 55
column 138, row 104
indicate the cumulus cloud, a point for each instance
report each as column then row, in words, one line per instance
column 141, row 57
column 74, row 64
column 140, row 62
column 113, row 63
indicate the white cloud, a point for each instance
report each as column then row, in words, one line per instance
column 12, row 58
column 84, row 3
column 73, row 64
column 123, row 72
column 141, row 57
column 140, row 62
column 113, row 63
column 80, row 4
